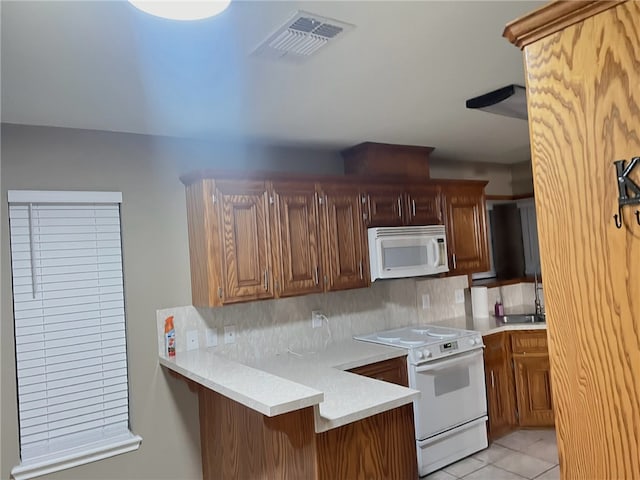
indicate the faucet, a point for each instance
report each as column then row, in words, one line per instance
column 537, row 286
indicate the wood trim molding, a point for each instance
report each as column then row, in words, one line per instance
column 552, row 18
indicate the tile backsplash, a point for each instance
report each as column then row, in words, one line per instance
column 269, row 327
column 275, row 326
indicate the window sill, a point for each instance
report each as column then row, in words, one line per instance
column 78, row 456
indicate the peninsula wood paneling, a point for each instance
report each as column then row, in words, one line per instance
column 584, row 113
column 240, row 443
column 379, row 447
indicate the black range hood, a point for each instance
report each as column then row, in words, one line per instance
column 510, row 101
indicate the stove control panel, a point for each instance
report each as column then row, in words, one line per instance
column 444, row 349
column 449, row 346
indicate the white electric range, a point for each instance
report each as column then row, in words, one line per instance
column 446, row 365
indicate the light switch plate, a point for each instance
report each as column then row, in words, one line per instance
column 212, row 337
column 230, row 334
column 426, row 301
column 192, row 340
column 459, row 295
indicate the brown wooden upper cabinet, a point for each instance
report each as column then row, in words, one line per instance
column 242, row 209
column 346, row 252
column 465, row 216
column 257, row 239
column 298, row 260
column 424, row 205
column 394, row 205
column 269, row 237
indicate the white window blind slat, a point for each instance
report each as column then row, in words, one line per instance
column 69, row 319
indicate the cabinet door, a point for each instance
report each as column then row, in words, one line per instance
column 346, row 263
column 533, row 390
column 466, row 229
column 424, row 206
column 245, row 240
column 385, row 206
column 392, row 371
column 499, row 381
column 297, row 262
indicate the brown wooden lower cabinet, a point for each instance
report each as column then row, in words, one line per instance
column 501, row 403
column 518, row 380
column 533, row 390
column 240, row 443
column 392, row 371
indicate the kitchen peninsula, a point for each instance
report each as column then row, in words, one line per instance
column 302, row 415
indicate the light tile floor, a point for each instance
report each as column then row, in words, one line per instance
column 531, row 454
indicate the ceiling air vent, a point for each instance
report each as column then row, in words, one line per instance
column 300, row 37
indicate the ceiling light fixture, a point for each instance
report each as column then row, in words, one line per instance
column 182, row 10
column 510, row 101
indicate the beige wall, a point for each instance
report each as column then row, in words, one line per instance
column 503, row 179
column 154, row 230
column 498, row 175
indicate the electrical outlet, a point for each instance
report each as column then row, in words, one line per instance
column 316, row 318
column 426, row 301
column 212, row 337
column 230, row 334
column 459, row 295
column 192, row 340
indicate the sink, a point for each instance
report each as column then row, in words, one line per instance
column 523, row 318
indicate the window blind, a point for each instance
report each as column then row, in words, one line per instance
column 69, row 314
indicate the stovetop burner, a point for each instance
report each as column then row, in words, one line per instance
column 415, row 337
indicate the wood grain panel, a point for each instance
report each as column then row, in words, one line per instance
column 379, row 447
column 584, row 113
column 238, row 442
column 298, row 239
column 552, row 18
column 392, row 371
column 533, row 390
column 202, row 241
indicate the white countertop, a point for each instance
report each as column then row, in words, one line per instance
column 492, row 324
column 289, row 382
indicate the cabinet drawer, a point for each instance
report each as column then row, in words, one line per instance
column 392, row 371
column 529, row 341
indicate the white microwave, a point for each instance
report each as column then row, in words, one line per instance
column 401, row 252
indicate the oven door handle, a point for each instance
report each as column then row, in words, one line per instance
column 458, row 359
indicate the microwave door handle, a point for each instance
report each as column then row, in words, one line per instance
column 436, row 252
column 458, row 360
